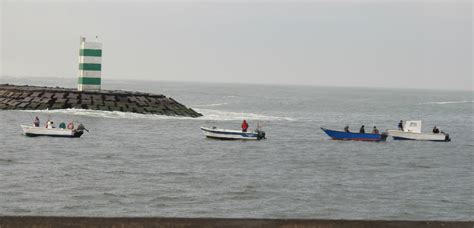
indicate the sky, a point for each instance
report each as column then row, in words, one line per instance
column 367, row 43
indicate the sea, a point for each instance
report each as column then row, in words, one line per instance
column 147, row 165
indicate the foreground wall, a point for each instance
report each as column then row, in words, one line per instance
column 96, row 222
column 40, row 98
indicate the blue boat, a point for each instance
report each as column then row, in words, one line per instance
column 342, row 135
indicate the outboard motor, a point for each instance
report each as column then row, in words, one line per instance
column 80, row 127
column 260, row 134
column 446, row 138
column 79, row 130
column 383, row 136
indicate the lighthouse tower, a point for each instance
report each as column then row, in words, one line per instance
column 90, row 58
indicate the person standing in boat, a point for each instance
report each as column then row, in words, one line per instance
column 375, row 130
column 36, row 122
column 346, row 128
column 400, row 125
column 245, row 126
column 362, row 130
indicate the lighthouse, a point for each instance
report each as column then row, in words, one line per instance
column 90, row 66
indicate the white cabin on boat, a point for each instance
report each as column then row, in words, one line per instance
column 412, row 126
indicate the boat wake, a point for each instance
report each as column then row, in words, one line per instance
column 209, row 114
column 444, row 102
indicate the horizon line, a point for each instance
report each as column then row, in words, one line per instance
column 251, row 83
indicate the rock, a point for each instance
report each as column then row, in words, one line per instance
column 72, row 95
column 40, row 98
column 23, row 105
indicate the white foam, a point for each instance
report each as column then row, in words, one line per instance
column 445, row 102
column 210, row 105
column 209, row 114
column 105, row 114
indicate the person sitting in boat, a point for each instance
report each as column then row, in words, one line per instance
column 70, row 126
column 435, row 130
column 362, row 130
column 50, row 124
column 375, row 130
column 400, row 125
column 62, row 125
column 36, row 122
column 245, row 126
column 346, row 128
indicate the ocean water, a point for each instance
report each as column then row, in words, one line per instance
column 148, row 165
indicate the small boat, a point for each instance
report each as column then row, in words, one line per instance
column 342, row 135
column 53, row 132
column 412, row 131
column 216, row 133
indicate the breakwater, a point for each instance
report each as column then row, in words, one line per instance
column 14, row 97
column 123, row 222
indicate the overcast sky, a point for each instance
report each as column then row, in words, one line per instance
column 402, row 44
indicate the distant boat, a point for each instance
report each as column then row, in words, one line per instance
column 53, row 132
column 412, row 131
column 342, row 135
column 216, row 133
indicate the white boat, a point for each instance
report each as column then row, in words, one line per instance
column 412, row 131
column 216, row 133
column 53, row 132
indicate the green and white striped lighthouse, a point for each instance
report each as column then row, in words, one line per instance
column 90, row 58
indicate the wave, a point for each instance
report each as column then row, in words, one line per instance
column 445, row 102
column 6, row 160
column 210, row 105
column 209, row 114
column 101, row 114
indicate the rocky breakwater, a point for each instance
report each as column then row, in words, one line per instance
column 13, row 97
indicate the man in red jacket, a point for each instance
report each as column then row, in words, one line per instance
column 245, row 126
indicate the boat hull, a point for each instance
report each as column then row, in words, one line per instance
column 223, row 134
column 342, row 135
column 403, row 135
column 51, row 132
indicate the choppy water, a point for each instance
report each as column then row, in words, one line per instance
column 145, row 165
